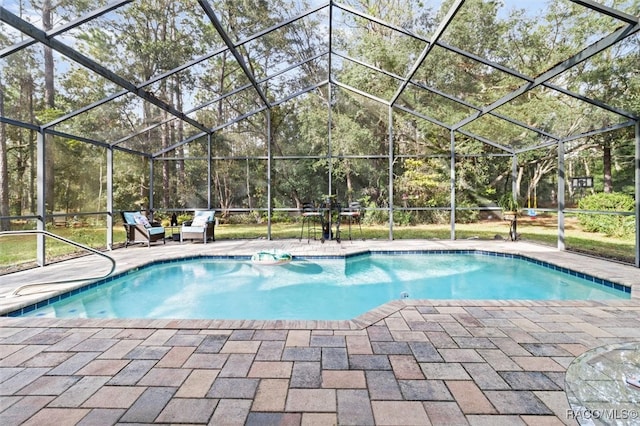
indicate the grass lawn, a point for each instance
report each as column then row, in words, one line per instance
column 18, row 252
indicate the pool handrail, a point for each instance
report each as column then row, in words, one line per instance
column 15, row 292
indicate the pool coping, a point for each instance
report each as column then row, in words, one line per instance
column 364, row 320
column 370, row 318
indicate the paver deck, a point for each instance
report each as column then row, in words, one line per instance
column 410, row 362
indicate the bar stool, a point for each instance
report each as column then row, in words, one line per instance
column 310, row 216
column 353, row 213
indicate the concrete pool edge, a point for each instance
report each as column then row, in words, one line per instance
column 27, row 305
column 370, row 318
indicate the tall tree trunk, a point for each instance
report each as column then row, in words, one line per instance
column 248, row 182
column 165, row 130
column 519, row 182
column 165, row 137
column 606, row 165
column 181, row 179
column 49, row 98
column 4, row 168
column 32, row 142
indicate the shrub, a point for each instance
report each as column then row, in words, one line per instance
column 250, row 218
column 609, row 224
column 466, row 216
column 403, row 218
column 280, row 216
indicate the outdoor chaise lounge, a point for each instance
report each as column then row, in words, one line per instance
column 139, row 230
column 200, row 228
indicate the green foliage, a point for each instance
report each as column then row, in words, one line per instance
column 282, row 217
column 403, row 218
column 143, row 41
column 609, row 224
column 508, row 202
column 245, row 219
column 421, row 183
column 467, row 216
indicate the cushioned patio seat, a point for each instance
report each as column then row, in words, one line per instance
column 200, row 228
column 139, row 230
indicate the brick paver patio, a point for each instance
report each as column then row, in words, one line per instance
column 411, row 362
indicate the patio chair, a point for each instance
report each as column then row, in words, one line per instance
column 139, row 230
column 310, row 216
column 200, row 228
column 353, row 213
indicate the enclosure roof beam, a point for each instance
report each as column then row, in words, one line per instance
column 594, row 102
column 241, row 42
column 292, row 96
column 178, row 144
column 486, row 141
column 18, row 123
column 581, row 56
column 176, row 70
column 599, row 131
column 282, row 24
column 235, row 120
column 609, row 11
column 141, row 131
column 366, row 65
column 66, row 27
column 85, row 108
column 293, row 66
column 29, row 29
column 496, row 65
column 493, row 113
column 422, row 116
column 76, row 138
column 9, row 50
column 580, row 136
column 246, row 86
column 448, row 127
column 220, row 98
column 361, row 93
column 423, row 55
column 232, row 48
column 378, row 21
column 94, row 142
column 141, row 85
column 190, row 111
column 450, row 97
column 183, row 67
column 536, row 147
column 515, row 73
column 618, row 126
column 301, row 92
column 212, row 130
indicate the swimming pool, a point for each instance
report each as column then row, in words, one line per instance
column 319, row 288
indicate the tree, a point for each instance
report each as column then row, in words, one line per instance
column 611, row 76
column 4, row 167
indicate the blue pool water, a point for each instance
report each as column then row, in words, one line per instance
column 338, row 288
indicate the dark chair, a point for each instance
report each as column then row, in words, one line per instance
column 310, row 216
column 139, row 230
column 353, row 213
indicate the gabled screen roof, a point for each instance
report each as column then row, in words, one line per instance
column 469, row 66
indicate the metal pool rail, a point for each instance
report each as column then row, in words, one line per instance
column 16, row 291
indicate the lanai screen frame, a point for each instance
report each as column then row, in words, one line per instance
column 47, row 38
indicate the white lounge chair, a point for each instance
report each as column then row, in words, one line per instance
column 200, row 228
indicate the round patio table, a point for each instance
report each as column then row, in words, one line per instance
column 597, row 388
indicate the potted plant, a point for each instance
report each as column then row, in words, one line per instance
column 509, row 204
